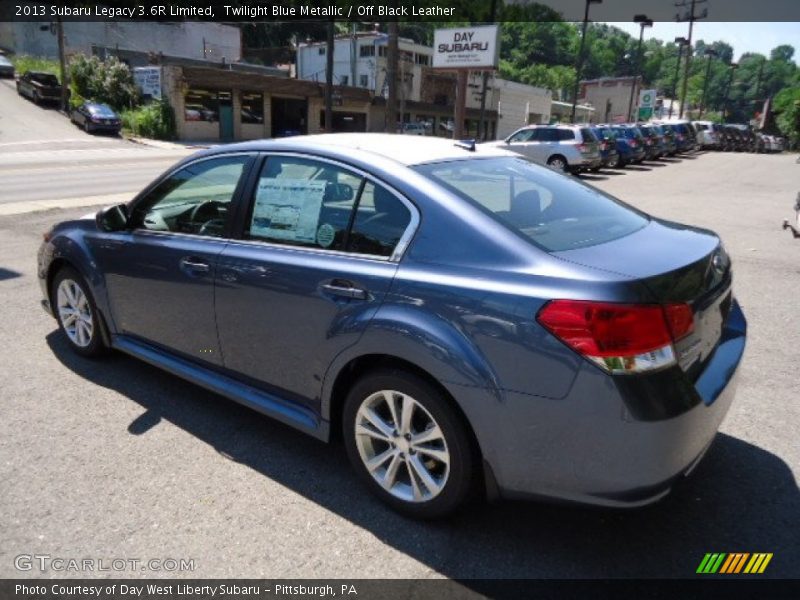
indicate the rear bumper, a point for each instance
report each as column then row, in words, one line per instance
column 589, row 448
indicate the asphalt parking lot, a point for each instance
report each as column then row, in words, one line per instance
column 116, row 459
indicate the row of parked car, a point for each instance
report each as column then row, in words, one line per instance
column 591, row 147
column 735, row 137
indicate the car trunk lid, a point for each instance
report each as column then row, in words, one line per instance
column 676, row 263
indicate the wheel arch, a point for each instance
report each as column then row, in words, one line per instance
column 361, row 365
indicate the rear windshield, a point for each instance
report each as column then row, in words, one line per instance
column 607, row 133
column 101, row 110
column 588, row 135
column 45, row 79
column 553, row 211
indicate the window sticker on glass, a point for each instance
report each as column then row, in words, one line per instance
column 288, row 209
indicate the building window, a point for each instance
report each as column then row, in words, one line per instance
column 321, row 50
column 201, row 105
column 381, row 50
column 422, row 59
column 366, row 50
column 252, row 108
column 363, row 80
column 344, row 79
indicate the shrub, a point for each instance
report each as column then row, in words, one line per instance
column 155, row 120
column 109, row 81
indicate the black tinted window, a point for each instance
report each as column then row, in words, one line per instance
column 566, row 134
column 547, row 135
column 381, row 220
column 552, row 211
column 588, row 135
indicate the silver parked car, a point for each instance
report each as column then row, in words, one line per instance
column 564, row 147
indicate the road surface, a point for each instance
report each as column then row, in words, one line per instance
column 46, row 161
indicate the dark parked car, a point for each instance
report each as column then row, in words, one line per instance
column 39, row 87
column 685, row 139
column 667, row 139
column 654, row 146
column 95, row 117
column 460, row 316
column 630, row 145
column 6, row 67
column 608, row 146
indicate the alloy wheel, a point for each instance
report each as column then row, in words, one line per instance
column 75, row 313
column 402, row 446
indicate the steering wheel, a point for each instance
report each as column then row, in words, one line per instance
column 204, row 211
column 213, row 227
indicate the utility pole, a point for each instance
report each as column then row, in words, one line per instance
column 392, row 56
column 733, row 66
column 681, row 41
column 758, row 85
column 481, row 135
column 579, row 66
column 62, row 61
column 643, row 22
column 709, row 53
column 691, row 17
column 329, row 49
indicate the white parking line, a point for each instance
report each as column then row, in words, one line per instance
column 59, row 141
column 18, row 208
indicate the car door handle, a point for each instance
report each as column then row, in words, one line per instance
column 344, row 289
column 190, row 263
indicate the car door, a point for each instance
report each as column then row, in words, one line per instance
column 318, row 251
column 159, row 274
column 523, row 142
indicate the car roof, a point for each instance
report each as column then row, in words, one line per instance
column 406, row 150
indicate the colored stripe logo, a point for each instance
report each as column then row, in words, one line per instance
column 734, row 563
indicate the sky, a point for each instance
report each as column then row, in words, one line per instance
column 744, row 37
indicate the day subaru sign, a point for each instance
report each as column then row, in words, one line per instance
column 466, row 48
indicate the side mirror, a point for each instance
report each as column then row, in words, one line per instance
column 113, row 218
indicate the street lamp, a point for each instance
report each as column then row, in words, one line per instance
column 709, row 53
column 681, row 42
column 580, row 56
column 733, row 66
column 643, row 22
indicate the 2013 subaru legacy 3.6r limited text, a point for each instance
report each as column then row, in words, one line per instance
column 465, row 320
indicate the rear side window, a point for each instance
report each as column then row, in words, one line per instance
column 310, row 203
column 548, row 134
column 552, row 211
column 565, row 135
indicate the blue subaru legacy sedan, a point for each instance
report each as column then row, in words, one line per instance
column 464, row 320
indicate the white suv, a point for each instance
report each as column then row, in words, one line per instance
column 564, row 147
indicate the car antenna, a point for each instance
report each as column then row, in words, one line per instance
column 466, row 144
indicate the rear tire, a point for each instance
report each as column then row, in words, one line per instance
column 77, row 314
column 407, row 444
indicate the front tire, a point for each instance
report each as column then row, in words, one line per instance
column 408, row 444
column 77, row 313
column 559, row 163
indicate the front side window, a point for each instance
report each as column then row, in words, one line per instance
column 196, row 199
column 522, row 136
column 551, row 211
column 314, row 204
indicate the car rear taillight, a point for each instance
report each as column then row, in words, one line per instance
column 633, row 143
column 619, row 338
column 583, row 148
column 603, row 145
